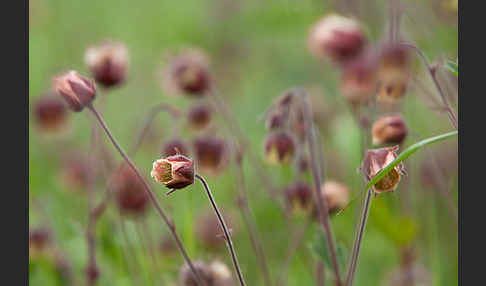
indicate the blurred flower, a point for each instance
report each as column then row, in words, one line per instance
column 50, row 113
column 358, row 79
column 279, row 148
column 129, row 191
column 393, row 73
column 199, row 117
column 188, row 73
column 175, row 172
column 337, row 37
column 208, row 230
column 215, row 273
column 76, row 172
column 174, row 147
column 107, row 62
column 77, row 90
column 211, row 154
column 377, row 159
column 299, row 197
column 167, row 246
column 39, row 240
column 390, row 129
column 336, row 194
column 221, row 274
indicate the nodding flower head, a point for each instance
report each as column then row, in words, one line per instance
column 107, row 62
column 76, row 90
column 377, row 159
column 358, row 79
column 337, row 37
column 199, row 117
column 215, row 273
column 76, row 172
column 130, row 193
column 50, row 113
column 188, row 73
column 174, row 172
column 336, row 194
column 299, row 197
column 174, row 147
column 39, row 240
column 393, row 73
column 211, row 154
column 390, row 129
column 279, row 148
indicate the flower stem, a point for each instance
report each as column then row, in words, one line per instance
column 148, row 190
column 225, row 229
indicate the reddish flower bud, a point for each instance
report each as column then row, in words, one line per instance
column 93, row 273
column 337, row 37
column 208, row 230
column 76, row 172
column 129, row 191
column 221, row 274
column 39, row 239
column 377, row 159
column 186, row 276
column 175, row 147
column 393, row 73
column 276, row 119
column 336, row 194
column 175, row 172
column 390, row 129
column 50, row 113
column 299, row 197
column 358, row 80
column 107, row 62
column 199, row 117
column 211, row 154
column 279, row 148
column 188, row 73
column 77, row 90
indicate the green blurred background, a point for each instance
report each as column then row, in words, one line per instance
column 258, row 49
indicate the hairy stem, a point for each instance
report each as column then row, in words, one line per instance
column 149, row 192
column 229, row 242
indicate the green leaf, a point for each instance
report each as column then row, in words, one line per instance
column 453, row 67
column 320, row 247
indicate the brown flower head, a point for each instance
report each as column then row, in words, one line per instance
column 377, row 159
column 188, row 72
column 186, row 277
column 211, row 154
column 174, row 172
column 358, row 79
column 221, row 274
column 39, row 240
column 299, row 197
column 337, row 37
column 107, row 62
column 390, row 129
column 336, row 194
column 50, row 113
column 393, row 73
column 199, row 117
column 76, row 172
column 77, row 90
column 174, row 147
column 208, row 230
column 279, row 148
column 129, row 191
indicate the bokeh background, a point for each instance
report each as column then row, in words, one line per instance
column 258, row 49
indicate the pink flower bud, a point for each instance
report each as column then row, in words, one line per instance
column 336, row 194
column 211, row 154
column 299, row 197
column 50, row 113
column 77, row 90
column 107, row 62
column 129, row 191
column 174, row 147
column 390, row 129
column 199, row 117
column 377, row 159
column 279, row 148
column 175, row 172
column 393, row 73
column 358, row 80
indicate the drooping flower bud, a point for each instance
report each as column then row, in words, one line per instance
column 188, row 73
column 299, row 197
column 336, row 194
column 279, row 148
column 129, row 191
column 107, row 62
column 390, row 129
column 336, row 37
column 211, row 154
column 393, row 73
column 77, row 90
column 199, row 117
column 50, row 113
column 186, row 276
column 39, row 239
column 377, row 159
column 208, row 230
column 174, row 147
column 221, row 274
column 174, row 172
column 358, row 80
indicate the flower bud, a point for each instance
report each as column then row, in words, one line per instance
column 390, row 129
column 211, row 154
column 199, row 117
column 276, row 119
column 279, row 148
column 337, row 37
column 50, row 113
column 188, row 73
column 221, row 274
column 336, row 194
column 129, row 191
column 107, row 62
column 76, row 172
column 77, row 90
column 174, row 172
column 175, row 147
column 377, row 159
column 208, row 230
column 393, row 73
column 186, row 276
column 39, row 239
column 358, row 80
column 299, row 197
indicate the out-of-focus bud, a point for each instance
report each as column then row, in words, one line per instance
column 199, row 117
column 188, row 72
column 39, row 240
column 279, row 148
column 211, row 154
column 77, row 90
column 337, row 37
column 221, row 274
column 208, row 230
column 393, row 73
column 129, row 191
column 377, row 159
column 186, row 276
column 299, row 198
column 76, row 172
column 358, row 80
column 174, row 147
column 336, row 194
column 276, row 119
column 107, row 62
column 50, row 114
column 93, row 273
column 390, row 129
column 174, row 172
